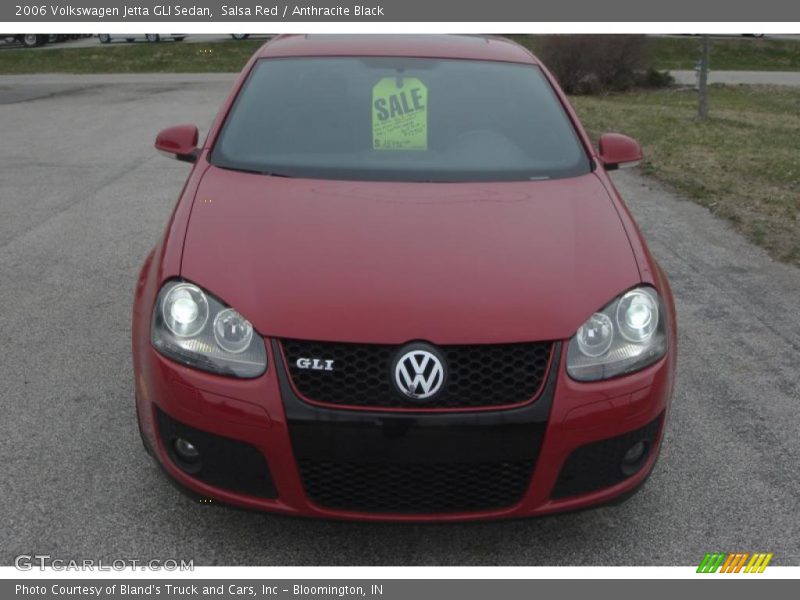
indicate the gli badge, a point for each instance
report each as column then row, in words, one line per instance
column 315, row 364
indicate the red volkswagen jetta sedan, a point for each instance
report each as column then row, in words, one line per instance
column 399, row 284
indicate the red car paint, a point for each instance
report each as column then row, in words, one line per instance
column 308, row 259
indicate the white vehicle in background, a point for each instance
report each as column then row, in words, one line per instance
column 107, row 38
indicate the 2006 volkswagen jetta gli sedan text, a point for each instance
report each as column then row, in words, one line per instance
column 399, row 284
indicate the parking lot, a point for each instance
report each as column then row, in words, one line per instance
column 83, row 197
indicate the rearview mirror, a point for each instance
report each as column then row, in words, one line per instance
column 618, row 151
column 179, row 141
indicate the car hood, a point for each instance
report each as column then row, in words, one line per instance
column 393, row 262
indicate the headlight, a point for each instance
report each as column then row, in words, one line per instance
column 625, row 336
column 185, row 310
column 194, row 328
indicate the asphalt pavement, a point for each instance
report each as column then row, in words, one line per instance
column 83, row 197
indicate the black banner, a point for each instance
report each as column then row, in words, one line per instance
column 377, row 11
column 390, row 589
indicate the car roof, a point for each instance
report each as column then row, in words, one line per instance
column 429, row 46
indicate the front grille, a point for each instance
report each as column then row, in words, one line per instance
column 598, row 465
column 478, row 375
column 415, row 488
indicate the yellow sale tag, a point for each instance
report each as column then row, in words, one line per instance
column 400, row 114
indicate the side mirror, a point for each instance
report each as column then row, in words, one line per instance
column 618, row 151
column 179, row 141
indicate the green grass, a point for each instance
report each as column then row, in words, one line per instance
column 166, row 57
column 727, row 53
column 743, row 163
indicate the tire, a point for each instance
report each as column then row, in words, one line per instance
column 153, row 37
column 104, row 38
column 180, row 38
column 240, row 36
column 31, row 40
column 130, row 40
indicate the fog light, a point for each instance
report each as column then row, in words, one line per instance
column 186, row 450
column 634, row 458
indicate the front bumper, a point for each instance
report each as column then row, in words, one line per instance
column 558, row 453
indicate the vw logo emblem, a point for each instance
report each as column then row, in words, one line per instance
column 419, row 372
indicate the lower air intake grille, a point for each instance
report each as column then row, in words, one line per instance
column 598, row 465
column 415, row 488
column 223, row 462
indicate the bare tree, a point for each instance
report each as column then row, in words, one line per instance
column 702, row 83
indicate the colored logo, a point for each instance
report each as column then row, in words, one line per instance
column 735, row 562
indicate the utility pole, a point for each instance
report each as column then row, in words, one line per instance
column 702, row 83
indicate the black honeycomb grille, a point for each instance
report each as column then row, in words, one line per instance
column 224, row 462
column 598, row 465
column 415, row 488
column 477, row 375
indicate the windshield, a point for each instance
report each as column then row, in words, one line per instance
column 399, row 119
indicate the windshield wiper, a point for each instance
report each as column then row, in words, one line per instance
column 274, row 174
column 254, row 171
